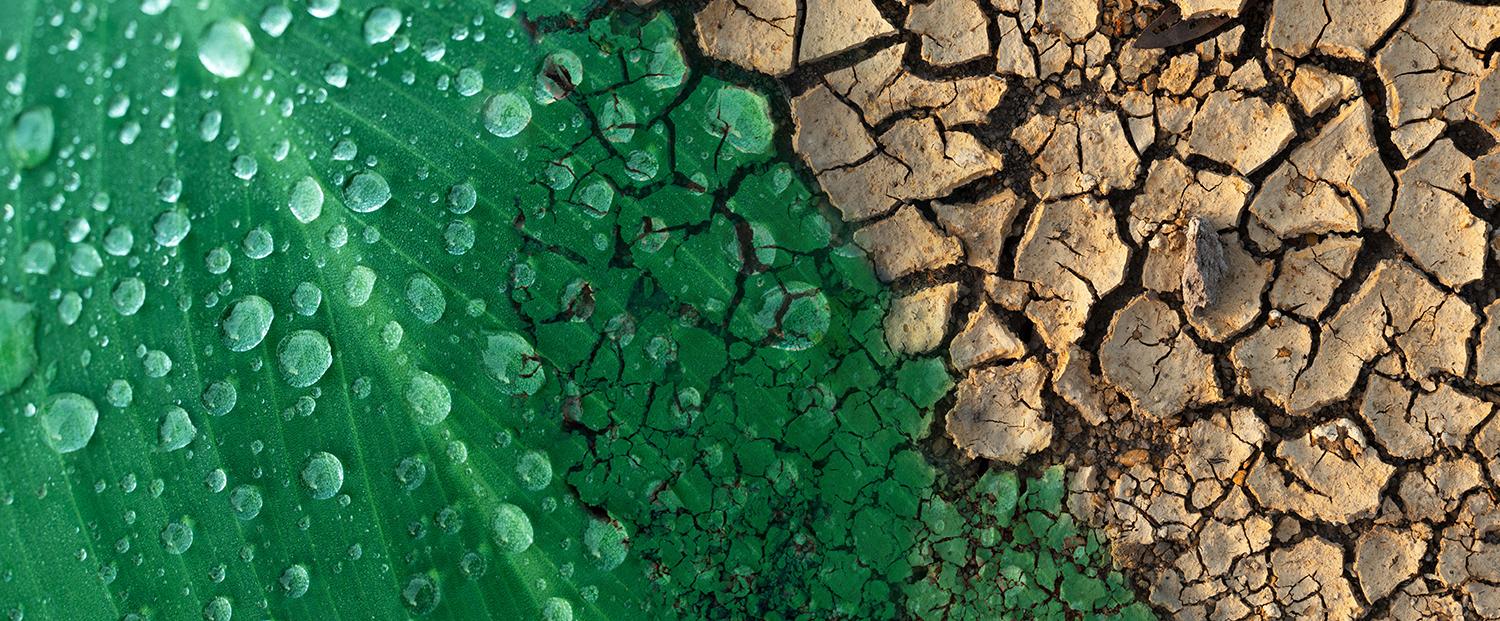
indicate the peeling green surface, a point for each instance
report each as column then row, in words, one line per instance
column 421, row 313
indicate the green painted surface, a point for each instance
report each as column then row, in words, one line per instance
column 420, row 309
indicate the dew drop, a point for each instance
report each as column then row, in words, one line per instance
column 511, row 528
column 367, row 192
column 68, row 421
column 323, row 474
column 506, row 114
column 304, row 356
column 175, row 430
column 429, row 398
column 381, row 24
column 246, row 322
column 306, row 200
column 225, row 48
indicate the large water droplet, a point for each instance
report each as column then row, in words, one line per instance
column 176, row 430
column 425, row 299
column 366, row 192
column 306, row 201
column 323, row 474
column 604, row 541
column 68, row 421
column 381, row 24
column 512, row 529
column 128, row 296
column 31, row 135
column 246, row 322
column 506, row 114
column 534, row 470
column 246, row 501
column 420, row 595
column 17, row 344
column 225, row 48
column 305, row 356
column 177, row 536
column 295, row 581
column 513, row 363
column 429, row 398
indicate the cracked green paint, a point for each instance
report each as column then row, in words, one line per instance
column 603, row 358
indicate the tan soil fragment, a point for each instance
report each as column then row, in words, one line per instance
column 833, row 26
column 916, row 323
column 953, row 32
column 1154, row 362
column 755, row 34
column 998, row 413
column 1242, row 131
column 1329, row 474
column 906, row 243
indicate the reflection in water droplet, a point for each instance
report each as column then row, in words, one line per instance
column 323, row 474
column 225, row 48
column 68, row 421
column 506, row 114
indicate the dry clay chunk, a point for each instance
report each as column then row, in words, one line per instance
column 1429, row 65
column 916, row 323
column 1396, row 309
column 918, row 161
column 880, row 87
column 1385, row 557
column 1310, row 584
column 953, row 31
column 984, row 339
column 998, row 413
column 1154, row 362
column 1334, row 183
column 1431, row 221
column 1241, row 131
column 1329, row 474
column 754, row 34
column 828, row 132
column 905, row 243
column 1071, row 254
column 834, row 26
column 982, row 225
column 1269, row 360
column 1344, row 28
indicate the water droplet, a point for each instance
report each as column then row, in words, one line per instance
column 120, row 393
column 157, row 363
column 246, row 322
column 366, row 192
column 360, row 284
column 225, row 48
column 177, row 536
column 411, row 472
column 605, row 543
column 306, row 201
column 275, row 19
column 512, row 529
column 295, row 581
column 420, row 595
column 258, row 243
column 429, row 398
column 323, row 474
column 128, row 296
column 175, row 430
column 322, row 9
column 557, row 609
column 31, row 136
column 68, row 421
column 513, row 363
column 381, row 24
column 462, row 197
column 304, row 356
column 218, row 608
column 155, row 7
column 219, row 397
column 534, row 470
column 40, row 257
column 425, row 299
column 306, row 299
column 171, row 227
column 246, row 501
column 470, row 81
column 506, row 114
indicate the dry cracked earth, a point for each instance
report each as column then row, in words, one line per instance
column 1230, row 260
